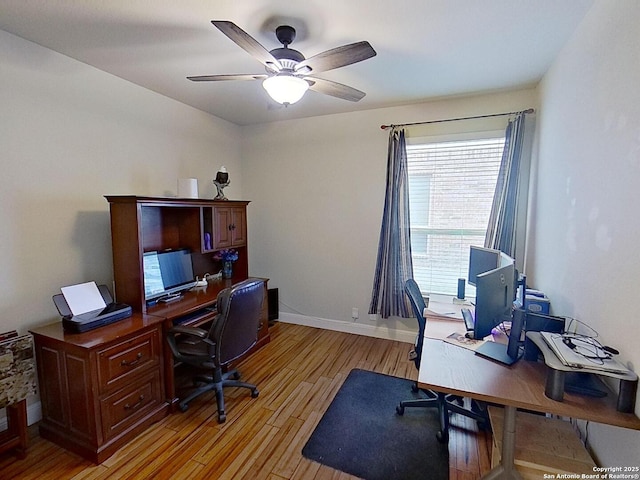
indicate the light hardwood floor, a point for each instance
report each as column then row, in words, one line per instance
column 298, row 374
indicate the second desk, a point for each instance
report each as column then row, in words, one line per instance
column 451, row 369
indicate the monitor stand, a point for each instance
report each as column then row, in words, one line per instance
column 172, row 297
column 507, row 354
column 496, row 351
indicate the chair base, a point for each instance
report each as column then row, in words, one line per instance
column 445, row 404
column 217, row 383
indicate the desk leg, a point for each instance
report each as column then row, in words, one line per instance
column 169, row 369
column 15, row 436
column 507, row 469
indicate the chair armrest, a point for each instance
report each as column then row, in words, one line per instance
column 193, row 331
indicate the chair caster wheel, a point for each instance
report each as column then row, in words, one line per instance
column 400, row 410
column 222, row 417
column 236, row 376
column 183, row 407
column 442, row 437
column 255, row 393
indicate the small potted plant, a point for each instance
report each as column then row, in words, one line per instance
column 227, row 257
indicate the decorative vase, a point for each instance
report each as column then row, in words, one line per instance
column 227, row 269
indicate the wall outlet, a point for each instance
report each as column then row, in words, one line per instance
column 354, row 313
column 373, row 317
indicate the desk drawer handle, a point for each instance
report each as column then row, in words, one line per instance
column 135, row 405
column 124, row 363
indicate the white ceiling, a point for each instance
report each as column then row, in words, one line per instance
column 426, row 48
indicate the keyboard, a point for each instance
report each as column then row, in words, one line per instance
column 194, row 316
column 469, row 321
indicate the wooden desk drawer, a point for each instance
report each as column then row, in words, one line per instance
column 127, row 359
column 131, row 404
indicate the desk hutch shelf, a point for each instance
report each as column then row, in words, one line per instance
column 143, row 224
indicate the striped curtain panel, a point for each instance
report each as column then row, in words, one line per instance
column 394, row 265
column 503, row 221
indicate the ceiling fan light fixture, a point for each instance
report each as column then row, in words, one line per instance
column 285, row 89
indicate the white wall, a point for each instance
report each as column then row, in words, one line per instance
column 71, row 134
column 317, row 187
column 584, row 248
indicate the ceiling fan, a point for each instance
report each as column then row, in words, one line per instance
column 288, row 73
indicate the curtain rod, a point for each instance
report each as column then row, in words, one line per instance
column 384, row 127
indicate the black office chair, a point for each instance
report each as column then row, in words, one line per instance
column 444, row 403
column 233, row 332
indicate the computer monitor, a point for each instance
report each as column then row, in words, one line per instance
column 482, row 260
column 539, row 322
column 153, row 286
column 495, row 292
column 494, row 299
column 166, row 273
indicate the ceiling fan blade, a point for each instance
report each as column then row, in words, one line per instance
column 334, row 89
column 248, row 43
column 218, row 78
column 338, row 57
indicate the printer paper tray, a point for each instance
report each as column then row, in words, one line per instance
column 75, row 325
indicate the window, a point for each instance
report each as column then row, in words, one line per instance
column 451, row 187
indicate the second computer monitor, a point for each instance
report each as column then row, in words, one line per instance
column 481, row 260
column 494, row 299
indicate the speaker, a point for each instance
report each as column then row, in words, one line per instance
column 274, row 310
column 461, row 282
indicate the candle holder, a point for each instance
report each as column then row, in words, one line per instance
column 221, row 182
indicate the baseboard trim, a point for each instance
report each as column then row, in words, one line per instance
column 376, row 331
column 34, row 410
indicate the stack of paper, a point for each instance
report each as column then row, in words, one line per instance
column 460, row 340
column 83, row 298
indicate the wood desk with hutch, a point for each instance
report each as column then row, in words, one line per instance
column 102, row 387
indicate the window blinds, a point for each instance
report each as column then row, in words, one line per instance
column 451, row 187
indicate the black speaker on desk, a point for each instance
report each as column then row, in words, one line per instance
column 274, row 310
